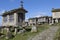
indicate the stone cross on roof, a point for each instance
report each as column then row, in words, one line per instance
column 21, row 3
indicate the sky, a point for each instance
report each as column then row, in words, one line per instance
column 35, row 8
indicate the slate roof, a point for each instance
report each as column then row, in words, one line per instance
column 14, row 10
column 56, row 10
column 32, row 18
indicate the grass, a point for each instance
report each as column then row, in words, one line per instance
column 28, row 34
column 4, row 31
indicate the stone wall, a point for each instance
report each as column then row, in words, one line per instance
column 13, row 23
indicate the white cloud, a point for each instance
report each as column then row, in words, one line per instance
column 2, row 11
column 26, row 19
column 39, row 14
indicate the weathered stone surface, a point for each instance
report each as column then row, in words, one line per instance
column 15, row 31
column 7, row 29
column 21, row 31
column 34, row 29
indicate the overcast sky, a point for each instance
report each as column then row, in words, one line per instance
column 35, row 8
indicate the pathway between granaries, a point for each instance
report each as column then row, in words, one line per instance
column 46, row 34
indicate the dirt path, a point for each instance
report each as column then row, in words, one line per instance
column 46, row 34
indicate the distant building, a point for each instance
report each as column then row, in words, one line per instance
column 44, row 19
column 40, row 20
column 32, row 21
column 56, row 15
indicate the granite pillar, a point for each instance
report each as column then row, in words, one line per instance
column 15, row 31
column 56, row 20
column 8, row 30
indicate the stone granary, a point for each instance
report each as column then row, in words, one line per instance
column 32, row 21
column 55, row 15
column 44, row 19
column 40, row 20
column 14, row 17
